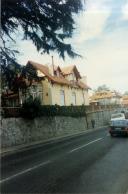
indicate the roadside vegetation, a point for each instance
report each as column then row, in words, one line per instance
column 33, row 108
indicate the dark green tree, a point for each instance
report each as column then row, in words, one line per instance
column 126, row 93
column 31, row 108
column 47, row 23
column 102, row 88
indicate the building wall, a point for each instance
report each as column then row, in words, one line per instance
column 79, row 97
column 86, row 97
column 50, row 94
column 107, row 101
column 55, row 95
column 46, row 92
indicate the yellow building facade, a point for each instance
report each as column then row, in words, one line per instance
column 125, row 100
column 106, row 98
column 61, row 86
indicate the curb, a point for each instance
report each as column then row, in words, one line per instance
column 22, row 148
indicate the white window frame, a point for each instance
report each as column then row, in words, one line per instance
column 73, row 98
column 62, row 97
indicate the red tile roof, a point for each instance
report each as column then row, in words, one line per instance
column 69, row 69
column 45, row 71
column 54, row 79
column 83, row 85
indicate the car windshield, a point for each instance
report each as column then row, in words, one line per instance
column 116, row 116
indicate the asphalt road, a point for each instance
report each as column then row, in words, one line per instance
column 91, row 163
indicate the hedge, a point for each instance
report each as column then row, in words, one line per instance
column 32, row 108
column 55, row 110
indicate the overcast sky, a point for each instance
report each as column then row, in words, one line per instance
column 101, row 37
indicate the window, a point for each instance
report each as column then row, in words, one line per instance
column 73, row 98
column 72, row 77
column 62, row 98
column 35, row 91
column 57, row 73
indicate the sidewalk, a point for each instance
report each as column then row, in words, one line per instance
column 37, row 144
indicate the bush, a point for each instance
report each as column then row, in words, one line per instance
column 56, row 110
column 31, row 108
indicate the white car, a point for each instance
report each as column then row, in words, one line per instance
column 117, row 116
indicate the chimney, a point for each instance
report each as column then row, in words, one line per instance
column 53, row 66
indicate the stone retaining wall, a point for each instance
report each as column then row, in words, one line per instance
column 18, row 131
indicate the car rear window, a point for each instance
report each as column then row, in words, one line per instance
column 117, row 116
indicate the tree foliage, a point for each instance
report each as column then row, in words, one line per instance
column 47, row 23
column 102, row 88
column 126, row 93
column 31, row 108
column 8, row 74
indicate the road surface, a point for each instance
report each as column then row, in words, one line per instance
column 91, row 163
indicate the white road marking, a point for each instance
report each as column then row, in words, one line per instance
column 24, row 171
column 85, row 145
column 44, row 163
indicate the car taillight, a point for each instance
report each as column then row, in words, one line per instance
column 110, row 129
column 126, row 129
